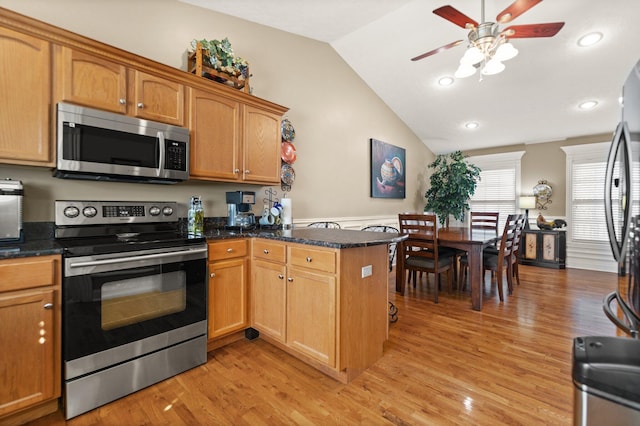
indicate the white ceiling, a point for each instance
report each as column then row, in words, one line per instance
column 534, row 100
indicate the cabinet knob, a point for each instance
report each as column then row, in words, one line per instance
column 265, row 251
column 309, row 259
column 212, row 275
column 48, row 305
column 140, row 105
column 122, row 101
column 229, row 250
column 290, row 279
column 236, row 171
column 246, row 172
column 280, row 276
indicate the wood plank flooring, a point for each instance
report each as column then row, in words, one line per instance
column 443, row 364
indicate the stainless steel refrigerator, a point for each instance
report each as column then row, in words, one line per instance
column 606, row 369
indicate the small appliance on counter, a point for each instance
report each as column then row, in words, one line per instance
column 11, row 193
column 239, row 209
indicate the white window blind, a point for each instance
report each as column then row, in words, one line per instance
column 499, row 184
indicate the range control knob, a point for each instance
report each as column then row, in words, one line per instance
column 71, row 211
column 89, row 211
column 167, row 211
column 154, row 211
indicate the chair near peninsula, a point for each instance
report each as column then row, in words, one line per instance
column 392, row 246
column 330, row 225
column 421, row 248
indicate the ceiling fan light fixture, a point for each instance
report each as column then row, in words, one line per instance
column 445, row 81
column 465, row 70
column 472, row 56
column 493, row 66
column 505, row 52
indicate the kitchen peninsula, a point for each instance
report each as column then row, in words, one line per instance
column 318, row 294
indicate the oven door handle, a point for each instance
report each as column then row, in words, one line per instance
column 135, row 258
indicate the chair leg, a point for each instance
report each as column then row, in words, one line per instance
column 498, row 275
column 437, row 284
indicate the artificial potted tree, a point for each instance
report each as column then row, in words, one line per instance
column 453, row 182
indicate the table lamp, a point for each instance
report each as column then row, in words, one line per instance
column 527, row 202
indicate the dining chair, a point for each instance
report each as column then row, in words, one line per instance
column 503, row 262
column 478, row 220
column 331, row 225
column 392, row 246
column 421, row 253
column 521, row 223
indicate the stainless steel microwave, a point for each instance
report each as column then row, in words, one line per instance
column 100, row 145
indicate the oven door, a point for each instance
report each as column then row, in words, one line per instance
column 123, row 305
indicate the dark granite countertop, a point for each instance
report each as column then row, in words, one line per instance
column 333, row 238
column 37, row 241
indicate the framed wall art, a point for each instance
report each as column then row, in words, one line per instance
column 387, row 170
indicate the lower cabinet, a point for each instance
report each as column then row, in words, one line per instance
column 30, row 333
column 314, row 303
column 543, row 248
column 228, row 275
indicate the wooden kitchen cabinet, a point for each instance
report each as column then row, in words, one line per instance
column 25, row 97
column 228, row 275
column 232, row 140
column 95, row 82
column 543, row 248
column 30, row 364
column 314, row 303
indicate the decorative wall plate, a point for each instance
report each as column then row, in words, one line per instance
column 288, row 132
column 288, row 153
column 287, row 174
column 542, row 190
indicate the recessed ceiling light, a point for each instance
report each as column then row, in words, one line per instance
column 589, row 39
column 588, row 105
column 472, row 125
column 446, row 81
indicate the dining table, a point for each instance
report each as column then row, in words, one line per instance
column 471, row 240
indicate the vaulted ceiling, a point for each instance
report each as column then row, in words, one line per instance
column 535, row 99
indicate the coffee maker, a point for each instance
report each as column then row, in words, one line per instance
column 239, row 209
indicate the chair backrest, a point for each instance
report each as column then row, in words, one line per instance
column 485, row 220
column 422, row 230
column 332, row 225
column 520, row 222
column 508, row 239
column 392, row 246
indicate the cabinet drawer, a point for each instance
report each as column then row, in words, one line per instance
column 228, row 249
column 18, row 274
column 319, row 260
column 268, row 250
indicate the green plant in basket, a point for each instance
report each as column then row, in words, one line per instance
column 219, row 55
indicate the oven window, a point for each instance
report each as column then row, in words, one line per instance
column 130, row 301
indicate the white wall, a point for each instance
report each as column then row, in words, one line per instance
column 333, row 111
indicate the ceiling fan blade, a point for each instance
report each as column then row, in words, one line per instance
column 515, row 9
column 438, row 50
column 452, row 14
column 533, row 30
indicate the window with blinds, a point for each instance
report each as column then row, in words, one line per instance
column 499, row 184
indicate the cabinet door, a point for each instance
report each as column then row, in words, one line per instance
column 215, row 136
column 25, row 97
column 549, row 247
column 91, row 81
column 28, row 361
column 262, row 145
column 269, row 298
column 311, row 315
column 530, row 245
column 157, row 99
column 227, row 296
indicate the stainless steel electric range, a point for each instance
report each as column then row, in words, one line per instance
column 134, row 298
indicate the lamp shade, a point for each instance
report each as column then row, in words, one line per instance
column 527, row 202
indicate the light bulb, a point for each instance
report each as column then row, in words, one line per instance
column 492, row 67
column 472, row 56
column 465, row 70
column 505, row 52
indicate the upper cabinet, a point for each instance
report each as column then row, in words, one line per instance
column 233, row 140
column 99, row 83
column 25, row 97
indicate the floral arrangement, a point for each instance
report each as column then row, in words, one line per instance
column 219, row 55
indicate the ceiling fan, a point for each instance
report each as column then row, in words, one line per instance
column 488, row 46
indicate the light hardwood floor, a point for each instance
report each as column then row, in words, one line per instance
column 443, row 364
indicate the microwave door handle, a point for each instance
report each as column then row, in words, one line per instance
column 161, row 146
